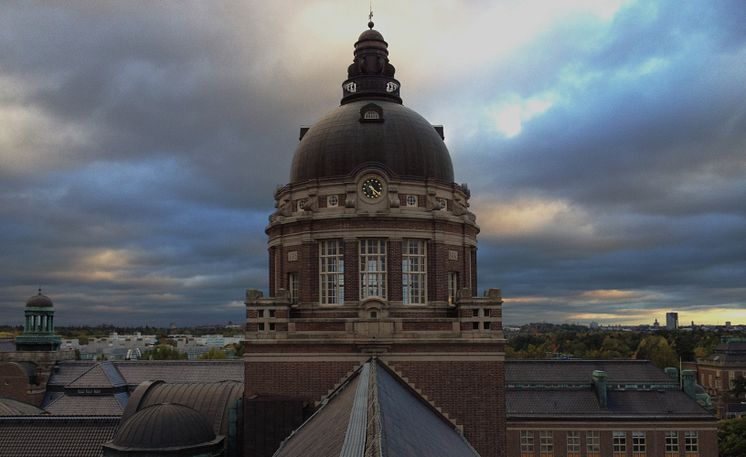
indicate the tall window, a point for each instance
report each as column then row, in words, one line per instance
column 546, row 445
column 527, row 443
column 372, row 268
column 293, row 286
column 331, row 272
column 414, row 271
column 573, row 444
column 619, row 443
column 593, row 443
column 452, row 286
column 691, row 442
column 638, row 444
column 672, row 444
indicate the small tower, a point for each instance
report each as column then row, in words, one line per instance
column 38, row 331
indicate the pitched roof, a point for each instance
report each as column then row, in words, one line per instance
column 567, row 403
column 68, row 371
column 103, row 375
column 55, row 436
column 579, row 372
column 136, row 372
column 85, row 405
column 375, row 411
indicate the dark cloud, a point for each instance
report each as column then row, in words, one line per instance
column 146, row 140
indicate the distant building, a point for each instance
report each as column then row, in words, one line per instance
column 718, row 371
column 672, row 321
column 25, row 368
column 604, row 408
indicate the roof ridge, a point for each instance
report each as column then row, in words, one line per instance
column 95, row 365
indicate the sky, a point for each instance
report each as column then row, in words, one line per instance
column 604, row 143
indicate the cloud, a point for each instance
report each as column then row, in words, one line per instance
column 603, row 142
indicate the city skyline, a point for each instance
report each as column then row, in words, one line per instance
column 603, row 143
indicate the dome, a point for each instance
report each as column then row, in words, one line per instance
column 161, row 426
column 39, row 301
column 401, row 141
column 371, row 35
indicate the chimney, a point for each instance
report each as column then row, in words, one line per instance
column 687, row 382
column 673, row 373
column 599, row 381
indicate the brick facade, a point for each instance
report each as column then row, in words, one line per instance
column 654, row 434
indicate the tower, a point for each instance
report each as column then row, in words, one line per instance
column 372, row 254
column 38, row 330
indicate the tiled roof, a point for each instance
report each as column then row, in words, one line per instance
column 85, row 405
column 68, row 371
column 671, row 404
column 133, row 373
column 375, row 413
column 9, row 407
column 103, row 375
column 579, row 371
column 731, row 352
column 55, row 436
column 181, row 371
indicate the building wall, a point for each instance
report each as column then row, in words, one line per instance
column 10, row 376
column 655, row 433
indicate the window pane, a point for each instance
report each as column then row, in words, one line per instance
column 372, row 268
column 331, row 272
column 414, row 271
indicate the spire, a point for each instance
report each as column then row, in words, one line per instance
column 370, row 76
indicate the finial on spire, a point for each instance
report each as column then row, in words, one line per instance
column 370, row 16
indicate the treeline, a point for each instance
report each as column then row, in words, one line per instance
column 662, row 347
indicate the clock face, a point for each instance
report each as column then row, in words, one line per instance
column 372, row 188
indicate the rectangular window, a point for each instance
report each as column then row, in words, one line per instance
column 672, row 444
column 619, row 443
column 372, row 268
column 593, row 443
column 691, row 442
column 573, row 444
column 527, row 443
column 452, row 286
column 546, row 444
column 638, row 444
column 414, row 271
column 331, row 272
column 293, row 286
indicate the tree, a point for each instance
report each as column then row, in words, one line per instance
column 656, row 349
column 163, row 352
column 213, row 354
column 732, row 437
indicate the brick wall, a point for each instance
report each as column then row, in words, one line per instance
column 655, row 436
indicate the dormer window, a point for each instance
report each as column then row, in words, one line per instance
column 300, row 204
column 371, row 113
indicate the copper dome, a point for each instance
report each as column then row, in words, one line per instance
column 164, row 426
column 401, row 142
column 39, row 301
